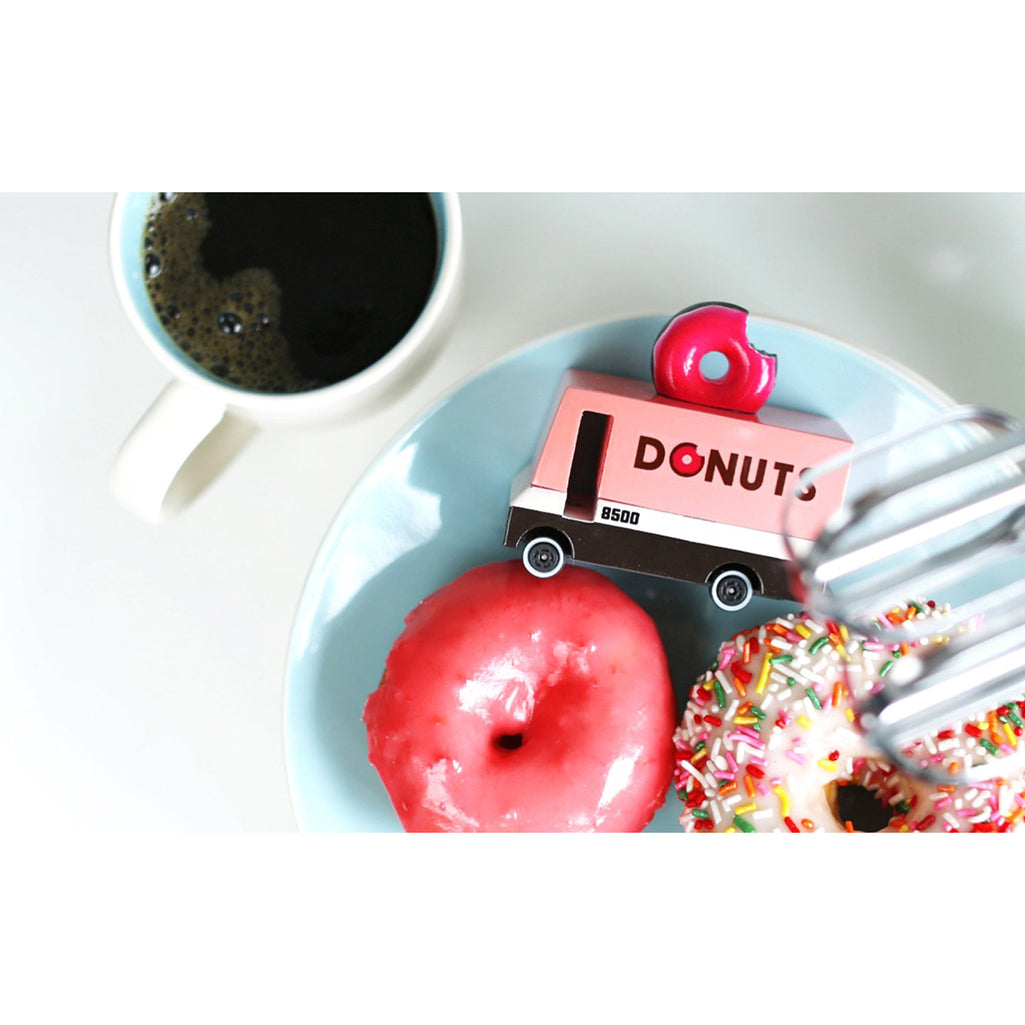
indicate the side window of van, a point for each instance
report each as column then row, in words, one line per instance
column 585, row 469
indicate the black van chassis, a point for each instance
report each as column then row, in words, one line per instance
column 549, row 540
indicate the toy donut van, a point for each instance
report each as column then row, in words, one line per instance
column 686, row 477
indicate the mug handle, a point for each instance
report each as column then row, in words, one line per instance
column 180, row 445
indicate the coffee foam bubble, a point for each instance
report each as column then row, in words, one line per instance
column 230, row 326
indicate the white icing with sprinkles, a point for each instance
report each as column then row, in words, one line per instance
column 770, row 731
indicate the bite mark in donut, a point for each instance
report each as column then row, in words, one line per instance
column 512, row 703
column 770, row 736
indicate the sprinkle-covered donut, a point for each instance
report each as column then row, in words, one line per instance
column 769, row 741
column 511, row 703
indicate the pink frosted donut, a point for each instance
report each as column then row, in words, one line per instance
column 769, row 742
column 511, row 703
column 706, row 328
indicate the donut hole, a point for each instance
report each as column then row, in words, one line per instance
column 861, row 807
column 714, row 365
column 509, row 741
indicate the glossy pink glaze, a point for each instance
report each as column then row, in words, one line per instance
column 692, row 335
column 571, row 665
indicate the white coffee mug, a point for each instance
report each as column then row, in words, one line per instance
column 199, row 422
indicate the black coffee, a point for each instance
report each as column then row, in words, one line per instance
column 284, row 292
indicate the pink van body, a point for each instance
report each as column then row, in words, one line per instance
column 625, row 477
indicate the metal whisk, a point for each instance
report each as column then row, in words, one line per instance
column 949, row 526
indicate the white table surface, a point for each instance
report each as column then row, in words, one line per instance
column 142, row 667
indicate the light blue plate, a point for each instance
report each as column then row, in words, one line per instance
column 434, row 504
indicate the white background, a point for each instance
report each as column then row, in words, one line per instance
column 143, row 666
column 125, row 707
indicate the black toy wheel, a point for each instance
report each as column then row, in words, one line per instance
column 543, row 557
column 731, row 589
